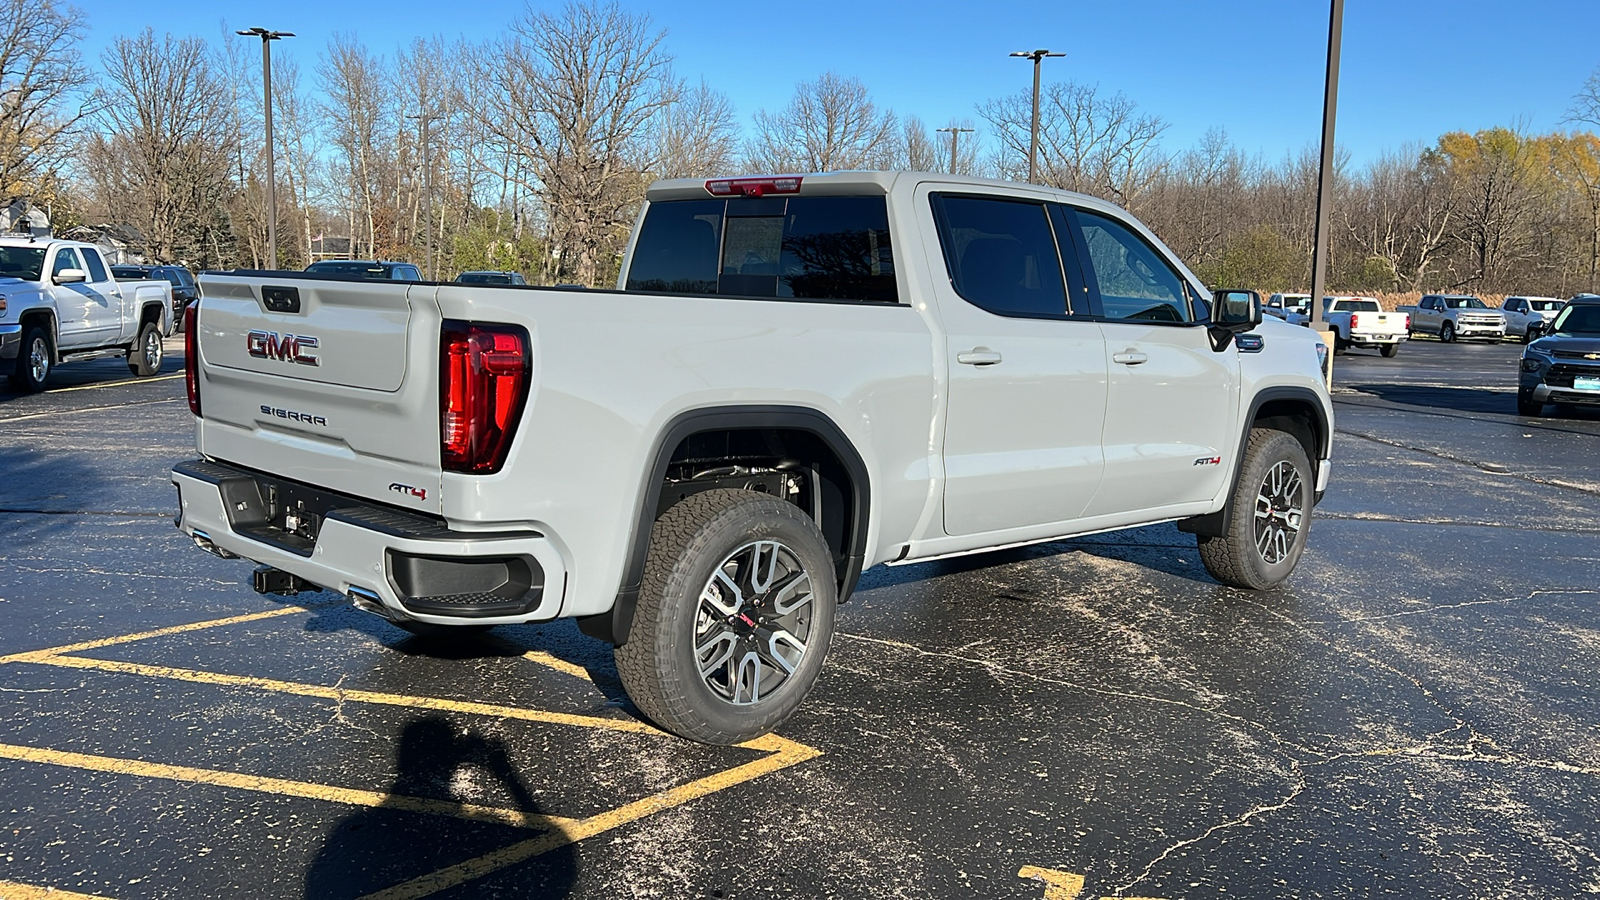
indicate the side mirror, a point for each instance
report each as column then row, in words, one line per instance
column 71, row 276
column 1235, row 311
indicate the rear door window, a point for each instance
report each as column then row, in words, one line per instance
column 806, row 248
column 97, row 269
column 1002, row 255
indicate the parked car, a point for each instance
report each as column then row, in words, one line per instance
column 1527, row 317
column 491, row 278
column 59, row 304
column 1564, row 365
column 367, row 269
column 796, row 378
column 1452, row 316
column 1361, row 322
column 185, row 289
column 1292, row 308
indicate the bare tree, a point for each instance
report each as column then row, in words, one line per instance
column 829, row 125
column 358, row 108
column 1087, row 142
column 40, row 72
column 158, row 161
column 917, row 151
column 699, row 136
column 1585, row 107
column 575, row 95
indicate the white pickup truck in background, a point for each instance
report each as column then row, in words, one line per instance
column 59, row 303
column 1529, row 317
column 1361, row 322
column 1292, row 308
column 1453, row 316
column 796, row 378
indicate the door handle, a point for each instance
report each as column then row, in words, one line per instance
column 1130, row 357
column 978, row 356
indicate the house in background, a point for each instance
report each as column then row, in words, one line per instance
column 22, row 217
column 329, row 248
column 119, row 244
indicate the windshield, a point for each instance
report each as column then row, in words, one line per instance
column 1579, row 320
column 131, row 272
column 1546, row 305
column 26, row 263
column 1464, row 303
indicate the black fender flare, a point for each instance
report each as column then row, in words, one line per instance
column 1216, row 524
column 615, row 624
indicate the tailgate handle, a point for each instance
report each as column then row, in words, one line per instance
column 281, row 299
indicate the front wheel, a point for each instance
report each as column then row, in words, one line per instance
column 1447, row 333
column 1271, row 515
column 734, row 618
column 1391, row 350
column 1527, row 406
column 146, row 353
column 34, row 359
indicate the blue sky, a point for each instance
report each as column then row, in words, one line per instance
column 1412, row 69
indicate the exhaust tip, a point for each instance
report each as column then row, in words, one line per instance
column 204, row 542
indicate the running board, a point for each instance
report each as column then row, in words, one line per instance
column 82, row 355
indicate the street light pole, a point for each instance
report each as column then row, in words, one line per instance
column 267, row 37
column 1033, row 142
column 1330, row 102
column 955, row 138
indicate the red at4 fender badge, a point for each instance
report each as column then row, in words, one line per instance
column 408, row 490
column 1209, row 461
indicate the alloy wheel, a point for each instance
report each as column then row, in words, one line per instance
column 753, row 622
column 1279, row 512
column 153, row 350
column 39, row 359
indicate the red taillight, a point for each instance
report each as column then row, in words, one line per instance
column 483, row 384
column 753, row 187
column 1408, row 321
column 191, row 354
column 1355, row 321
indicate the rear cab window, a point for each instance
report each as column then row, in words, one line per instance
column 797, row 247
column 1002, row 254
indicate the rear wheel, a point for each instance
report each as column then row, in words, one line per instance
column 146, row 353
column 734, row 618
column 34, row 359
column 1391, row 350
column 1271, row 515
column 1447, row 332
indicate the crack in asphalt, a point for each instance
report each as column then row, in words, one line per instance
column 1453, row 523
column 1488, row 468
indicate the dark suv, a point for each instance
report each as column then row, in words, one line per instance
column 185, row 289
column 367, row 269
column 1564, row 365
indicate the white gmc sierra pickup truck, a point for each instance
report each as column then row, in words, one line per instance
column 796, row 378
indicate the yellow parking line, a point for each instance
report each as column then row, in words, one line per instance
column 11, row 890
column 1058, row 885
column 95, row 387
column 343, row 694
column 44, row 655
column 560, row 665
column 306, row 790
column 787, row 753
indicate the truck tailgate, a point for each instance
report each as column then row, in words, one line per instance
column 329, row 382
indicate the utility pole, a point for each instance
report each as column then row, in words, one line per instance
column 1033, row 142
column 427, row 188
column 1330, row 102
column 267, row 37
column 955, row 138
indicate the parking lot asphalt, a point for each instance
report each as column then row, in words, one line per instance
column 1416, row 715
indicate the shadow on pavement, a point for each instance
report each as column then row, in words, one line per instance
column 376, row 847
column 1471, row 400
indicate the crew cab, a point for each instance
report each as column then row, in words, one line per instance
column 60, row 304
column 1452, row 316
column 1361, row 322
column 1564, row 365
column 795, row 378
column 1528, row 317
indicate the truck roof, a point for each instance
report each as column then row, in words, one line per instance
column 22, row 240
column 864, row 182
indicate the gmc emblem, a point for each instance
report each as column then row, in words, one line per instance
column 286, row 348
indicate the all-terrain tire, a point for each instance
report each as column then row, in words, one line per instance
column 1390, row 351
column 1243, row 557
column 687, row 616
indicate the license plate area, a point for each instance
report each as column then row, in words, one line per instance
column 281, row 513
column 1586, row 383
